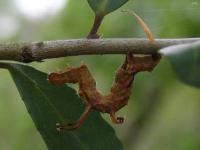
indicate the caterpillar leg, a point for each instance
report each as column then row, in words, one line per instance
column 116, row 120
column 78, row 124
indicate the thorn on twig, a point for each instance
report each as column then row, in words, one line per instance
column 143, row 25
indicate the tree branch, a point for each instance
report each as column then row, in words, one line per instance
column 37, row 51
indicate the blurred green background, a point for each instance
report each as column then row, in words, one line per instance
column 162, row 112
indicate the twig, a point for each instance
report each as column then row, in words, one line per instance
column 37, row 51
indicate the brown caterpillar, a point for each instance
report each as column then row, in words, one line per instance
column 119, row 93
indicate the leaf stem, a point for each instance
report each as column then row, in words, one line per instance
column 97, row 22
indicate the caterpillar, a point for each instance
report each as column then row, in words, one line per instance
column 120, row 92
column 116, row 98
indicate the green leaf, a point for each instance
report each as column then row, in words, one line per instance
column 185, row 61
column 48, row 105
column 103, row 7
